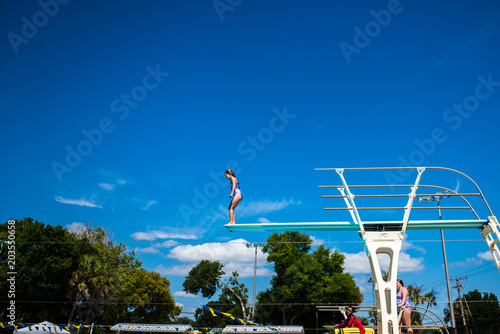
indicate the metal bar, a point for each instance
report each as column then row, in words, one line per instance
column 403, row 208
column 420, row 186
column 416, row 168
column 348, row 205
column 351, row 201
column 396, row 195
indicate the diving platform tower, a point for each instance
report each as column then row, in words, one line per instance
column 385, row 237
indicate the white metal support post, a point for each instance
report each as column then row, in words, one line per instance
column 491, row 235
column 388, row 243
column 385, row 243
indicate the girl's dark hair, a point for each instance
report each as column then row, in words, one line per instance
column 230, row 172
column 400, row 281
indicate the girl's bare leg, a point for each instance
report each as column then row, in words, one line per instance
column 234, row 203
column 231, row 214
column 407, row 320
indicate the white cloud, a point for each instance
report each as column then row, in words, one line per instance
column 471, row 261
column 148, row 250
column 246, row 209
column 121, row 182
column 262, row 207
column 408, row 245
column 263, row 220
column 225, row 252
column 358, row 263
column 234, row 255
column 149, row 204
column 409, row 264
column 143, row 236
column 153, row 235
column 107, row 186
column 247, row 270
column 244, row 270
column 362, row 283
column 184, row 294
column 74, row 227
column 166, row 244
column 316, row 241
column 474, row 261
column 485, row 256
column 179, row 270
column 80, row 202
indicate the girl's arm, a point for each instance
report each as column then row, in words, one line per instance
column 404, row 291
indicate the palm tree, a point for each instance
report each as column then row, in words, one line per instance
column 79, row 289
column 101, row 273
column 430, row 298
column 416, row 296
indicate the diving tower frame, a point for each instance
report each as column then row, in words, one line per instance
column 386, row 237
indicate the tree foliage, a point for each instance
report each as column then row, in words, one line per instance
column 45, row 258
column 146, row 299
column 102, row 275
column 206, row 278
column 80, row 277
column 481, row 310
column 419, row 297
column 303, row 280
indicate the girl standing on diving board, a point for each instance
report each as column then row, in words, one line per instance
column 236, row 195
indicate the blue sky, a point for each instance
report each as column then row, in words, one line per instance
column 125, row 114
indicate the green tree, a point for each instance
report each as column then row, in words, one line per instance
column 303, row 280
column 430, row 299
column 206, row 278
column 102, row 275
column 419, row 297
column 482, row 312
column 147, row 299
column 84, row 276
column 45, row 257
column 226, row 302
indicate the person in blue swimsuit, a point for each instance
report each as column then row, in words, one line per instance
column 403, row 303
column 236, row 195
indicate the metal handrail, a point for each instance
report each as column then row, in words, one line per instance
column 416, row 168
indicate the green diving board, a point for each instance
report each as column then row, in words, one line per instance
column 349, row 226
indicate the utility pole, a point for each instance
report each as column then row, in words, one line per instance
column 254, row 245
column 437, row 197
column 460, row 287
